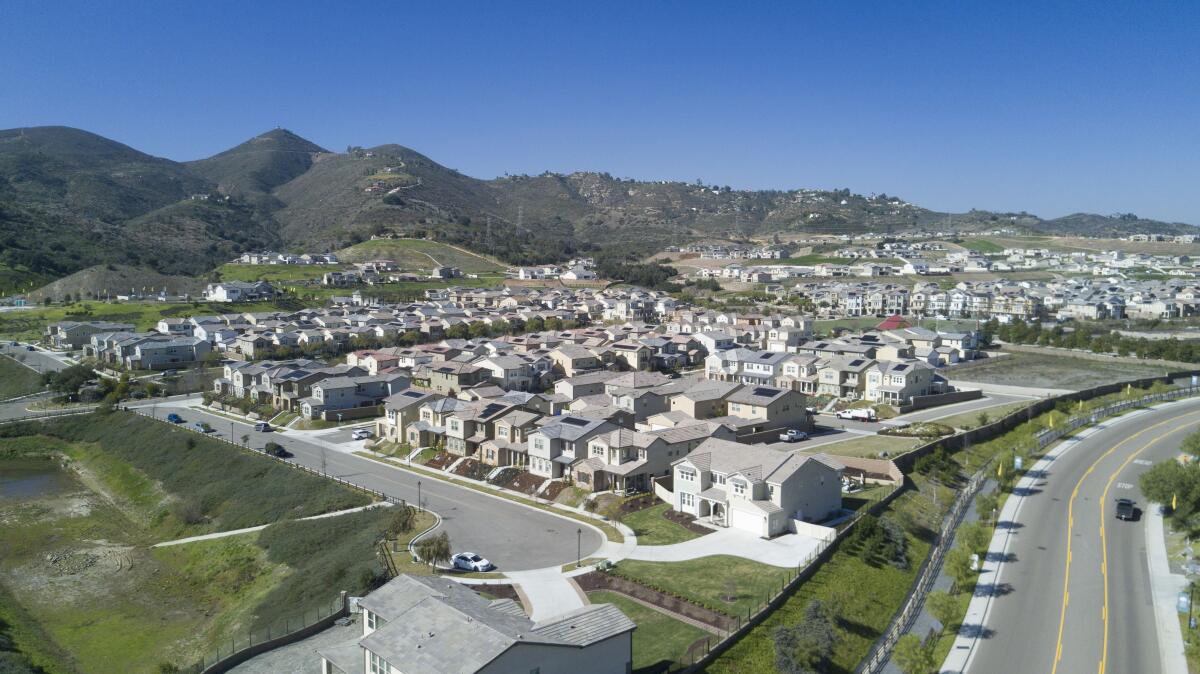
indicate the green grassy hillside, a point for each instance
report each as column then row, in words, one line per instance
column 416, row 254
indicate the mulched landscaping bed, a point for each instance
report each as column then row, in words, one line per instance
column 604, row 581
column 500, row 591
column 687, row 522
column 440, row 460
column 476, row 470
column 638, row 503
column 504, row 477
column 526, row 482
column 554, row 490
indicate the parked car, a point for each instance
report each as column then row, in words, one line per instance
column 857, row 414
column 276, row 449
column 202, row 427
column 1126, row 510
column 362, row 434
column 170, row 373
column 469, row 561
column 15, row 344
column 29, row 348
column 174, row 418
column 263, row 427
column 793, row 435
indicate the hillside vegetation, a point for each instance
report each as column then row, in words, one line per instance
column 85, row 592
column 70, row 199
column 417, row 254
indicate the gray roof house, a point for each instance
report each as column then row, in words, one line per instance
column 433, row 625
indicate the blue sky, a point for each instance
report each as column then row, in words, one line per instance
column 1043, row 106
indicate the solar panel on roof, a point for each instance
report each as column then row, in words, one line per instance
column 855, row 363
column 901, row 367
column 572, row 421
column 491, row 409
column 413, row 394
column 764, row 356
column 766, row 392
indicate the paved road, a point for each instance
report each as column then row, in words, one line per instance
column 512, row 536
column 38, row 359
column 982, row 404
column 1073, row 595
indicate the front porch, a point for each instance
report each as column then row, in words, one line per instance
column 713, row 508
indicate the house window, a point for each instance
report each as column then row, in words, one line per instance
column 739, row 487
column 379, row 665
column 720, row 478
column 686, row 499
column 687, row 475
column 771, row 490
column 373, row 620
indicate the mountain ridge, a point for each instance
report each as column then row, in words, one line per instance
column 71, row 199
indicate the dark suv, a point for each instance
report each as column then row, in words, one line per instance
column 1125, row 510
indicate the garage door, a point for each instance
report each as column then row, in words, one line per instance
column 754, row 522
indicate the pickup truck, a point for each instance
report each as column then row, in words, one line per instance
column 1126, row 510
column 793, row 435
column 857, row 414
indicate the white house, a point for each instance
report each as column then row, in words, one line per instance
column 756, row 489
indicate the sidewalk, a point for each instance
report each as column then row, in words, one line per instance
column 924, row 622
column 547, row 592
column 1165, row 587
column 249, row 530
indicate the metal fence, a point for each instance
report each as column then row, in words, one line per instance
column 35, row 416
column 241, row 647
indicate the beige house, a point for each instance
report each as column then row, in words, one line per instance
column 897, row 383
column 759, row 490
column 705, row 400
column 769, row 408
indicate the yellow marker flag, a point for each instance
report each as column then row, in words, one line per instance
column 1174, row 500
column 1000, row 469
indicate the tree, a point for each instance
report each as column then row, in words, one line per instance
column 958, row 566
column 982, row 419
column 1191, row 444
column 986, row 503
column 973, row 537
column 943, row 607
column 403, row 520
column 914, row 657
column 808, row 646
column 435, row 550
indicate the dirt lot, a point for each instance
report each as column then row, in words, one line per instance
column 1051, row 371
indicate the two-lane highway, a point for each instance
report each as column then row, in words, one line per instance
column 513, row 536
column 1073, row 594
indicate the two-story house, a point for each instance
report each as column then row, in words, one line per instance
column 755, row 489
column 558, row 444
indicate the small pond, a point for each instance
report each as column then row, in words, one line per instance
column 31, row 479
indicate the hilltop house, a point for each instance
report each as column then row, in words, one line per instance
column 238, row 291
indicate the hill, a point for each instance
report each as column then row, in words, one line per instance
column 420, row 254
column 70, row 200
column 260, row 164
column 117, row 279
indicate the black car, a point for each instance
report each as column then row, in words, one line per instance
column 275, row 449
column 1125, row 510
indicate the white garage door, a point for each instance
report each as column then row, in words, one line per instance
column 748, row 520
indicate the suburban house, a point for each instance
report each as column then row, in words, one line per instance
column 561, row 442
column 509, row 444
column 74, row 334
column 572, row 359
column 238, row 291
column 705, row 399
column 769, row 408
column 625, row 461
column 755, row 489
column 400, row 410
column 350, row 397
column 451, row 377
column 470, row 424
column 897, row 383
column 432, row 625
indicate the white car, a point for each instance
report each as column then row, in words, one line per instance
column 361, row 434
column 469, row 561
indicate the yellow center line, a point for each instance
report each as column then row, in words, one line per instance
column 1103, row 537
column 1062, row 618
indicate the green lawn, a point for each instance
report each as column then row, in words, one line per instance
column 418, row 254
column 723, row 583
column 867, row 595
column 868, row 446
column 981, row 245
column 275, row 272
column 654, row 529
column 17, row 380
column 659, row 639
column 31, row 323
column 971, row 419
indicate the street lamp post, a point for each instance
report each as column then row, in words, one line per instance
column 578, row 547
column 420, row 505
